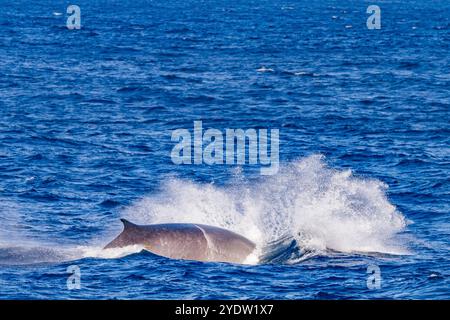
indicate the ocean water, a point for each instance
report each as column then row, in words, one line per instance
column 86, row 118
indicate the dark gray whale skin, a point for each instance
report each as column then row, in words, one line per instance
column 186, row 241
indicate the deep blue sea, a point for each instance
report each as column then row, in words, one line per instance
column 86, row 118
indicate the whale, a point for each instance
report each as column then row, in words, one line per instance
column 186, row 241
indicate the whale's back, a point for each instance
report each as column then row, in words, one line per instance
column 186, row 241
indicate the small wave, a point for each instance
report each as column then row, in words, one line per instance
column 264, row 69
column 305, row 74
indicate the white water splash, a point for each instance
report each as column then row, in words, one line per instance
column 112, row 253
column 319, row 207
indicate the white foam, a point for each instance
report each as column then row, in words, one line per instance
column 112, row 253
column 264, row 69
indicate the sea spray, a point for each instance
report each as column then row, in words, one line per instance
column 317, row 207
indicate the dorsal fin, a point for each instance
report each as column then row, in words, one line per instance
column 127, row 224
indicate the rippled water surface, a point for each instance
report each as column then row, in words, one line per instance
column 86, row 118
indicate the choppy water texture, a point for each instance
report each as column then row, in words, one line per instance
column 85, row 138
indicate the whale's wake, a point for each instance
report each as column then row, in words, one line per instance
column 44, row 254
column 307, row 209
